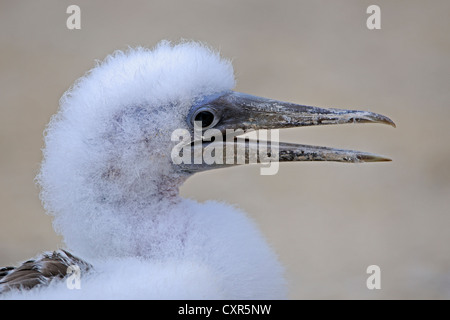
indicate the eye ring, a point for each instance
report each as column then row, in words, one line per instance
column 207, row 116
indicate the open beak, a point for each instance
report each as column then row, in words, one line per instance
column 234, row 113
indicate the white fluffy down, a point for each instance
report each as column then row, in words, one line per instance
column 106, row 174
column 222, row 256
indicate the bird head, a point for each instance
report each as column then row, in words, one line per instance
column 111, row 156
column 112, row 141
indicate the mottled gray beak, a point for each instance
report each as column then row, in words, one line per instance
column 231, row 111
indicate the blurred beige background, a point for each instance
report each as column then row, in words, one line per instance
column 327, row 221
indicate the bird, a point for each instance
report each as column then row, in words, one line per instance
column 109, row 179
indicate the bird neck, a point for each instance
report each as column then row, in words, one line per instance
column 134, row 223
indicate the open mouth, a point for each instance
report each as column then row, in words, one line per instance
column 219, row 122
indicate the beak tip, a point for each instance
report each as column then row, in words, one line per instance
column 373, row 158
column 383, row 119
column 392, row 123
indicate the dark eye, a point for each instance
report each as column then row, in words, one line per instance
column 206, row 116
